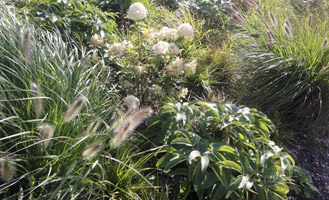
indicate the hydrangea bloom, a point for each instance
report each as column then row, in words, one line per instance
column 131, row 101
column 190, row 67
column 168, row 33
column 117, row 49
column 186, row 30
column 173, row 49
column 161, row 48
column 182, row 93
column 176, row 68
column 137, row 11
column 97, row 40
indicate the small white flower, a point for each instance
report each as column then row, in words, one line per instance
column 131, row 101
column 186, row 30
column 137, row 11
column 168, row 33
column 183, row 92
column 117, row 49
column 173, row 49
column 97, row 40
column 161, row 48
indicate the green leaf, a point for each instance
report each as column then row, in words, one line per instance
column 231, row 165
column 204, row 163
column 184, row 141
column 236, row 184
column 174, row 161
column 220, row 192
column 209, row 180
column 193, row 155
column 164, row 160
column 262, row 125
column 244, row 160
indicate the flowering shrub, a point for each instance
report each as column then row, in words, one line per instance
column 151, row 59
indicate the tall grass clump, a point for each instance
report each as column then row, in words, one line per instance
column 56, row 111
column 286, row 54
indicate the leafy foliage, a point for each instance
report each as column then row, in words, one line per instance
column 81, row 19
column 221, row 151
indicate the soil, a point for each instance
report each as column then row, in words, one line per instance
column 313, row 155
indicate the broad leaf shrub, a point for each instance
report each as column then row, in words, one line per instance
column 60, row 136
column 79, row 19
column 286, row 56
column 220, row 151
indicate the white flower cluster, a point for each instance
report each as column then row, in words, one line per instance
column 137, row 11
column 156, row 89
column 131, row 102
column 168, row 33
column 176, row 68
column 173, row 49
column 186, row 30
column 161, row 48
column 190, row 67
column 182, row 93
column 97, row 40
column 116, row 49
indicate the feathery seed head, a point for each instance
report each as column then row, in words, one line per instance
column 273, row 20
column 37, row 103
column 258, row 10
column 287, row 30
column 239, row 18
column 310, row 20
column 27, row 44
column 47, row 132
column 93, row 127
column 92, row 151
column 129, row 125
column 324, row 43
column 74, row 110
column 255, row 35
column 288, row 24
column 7, row 169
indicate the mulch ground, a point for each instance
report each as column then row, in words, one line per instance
column 313, row 155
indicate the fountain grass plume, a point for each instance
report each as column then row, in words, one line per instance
column 91, row 151
column 7, row 169
column 37, row 103
column 287, row 30
column 93, row 127
column 129, row 125
column 26, row 43
column 273, row 20
column 47, row 132
column 324, row 43
column 74, row 110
